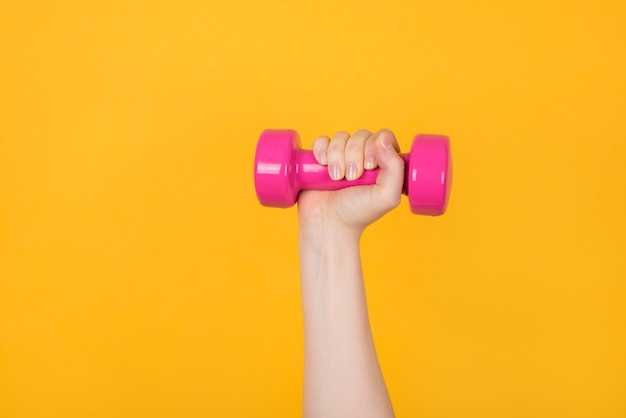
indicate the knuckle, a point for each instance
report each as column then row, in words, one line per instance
column 321, row 140
column 319, row 147
column 341, row 135
column 338, row 142
column 363, row 132
column 334, row 154
column 354, row 148
column 370, row 144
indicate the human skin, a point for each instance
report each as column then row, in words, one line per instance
column 342, row 375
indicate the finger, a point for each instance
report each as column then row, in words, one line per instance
column 369, row 158
column 336, row 155
column 369, row 153
column 391, row 136
column 391, row 176
column 354, row 154
column 320, row 147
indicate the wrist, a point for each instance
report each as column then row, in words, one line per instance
column 327, row 252
column 329, row 257
column 328, row 236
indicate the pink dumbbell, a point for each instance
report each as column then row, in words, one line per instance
column 282, row 169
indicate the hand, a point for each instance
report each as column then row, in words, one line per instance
column 354, row 208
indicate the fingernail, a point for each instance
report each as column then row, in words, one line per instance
column 384, row 141
column 335, row 172
column 369, row 162
column 323, row 158
column 351, row 171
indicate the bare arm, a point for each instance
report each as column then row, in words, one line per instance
column 342, row 376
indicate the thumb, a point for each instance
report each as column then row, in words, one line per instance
column 390, row 179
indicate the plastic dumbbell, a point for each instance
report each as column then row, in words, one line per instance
column 282, row 169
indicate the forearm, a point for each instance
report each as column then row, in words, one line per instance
column 342, row 376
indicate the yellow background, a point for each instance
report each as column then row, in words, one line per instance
column 139, row 277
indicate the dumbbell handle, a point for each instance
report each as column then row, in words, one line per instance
column 311, row 175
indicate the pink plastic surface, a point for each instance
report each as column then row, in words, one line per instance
column 282, row 169
column 429, row 175
column 274, row 171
